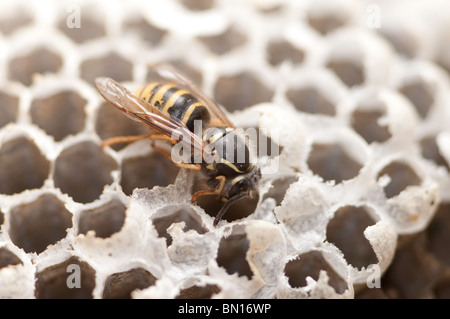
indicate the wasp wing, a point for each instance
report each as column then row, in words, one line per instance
column 139, row 110
column 169, row 73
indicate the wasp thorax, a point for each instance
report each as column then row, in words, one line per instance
column 230, row 154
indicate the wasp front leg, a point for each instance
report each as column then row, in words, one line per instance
column 216, row 191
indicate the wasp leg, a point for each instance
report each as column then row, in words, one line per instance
column 202, row 193
column 208, row 191
column 124, row 139
column 196, row 167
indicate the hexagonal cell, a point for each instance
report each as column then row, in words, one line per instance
column 443, row 54
column 370, row 293
column 50, row 114
column 121, row 285
column 82, row 171
column 197, row 292
column 279, row 51
column 41, row 60
column 332, row 162
column 401, row 175
column 310, row 264
column 240, row 91
column 52, row 282
column 438, row 234
column 421, row 94
column 111, row 65
column 279, row 187
column 366, row 124
column 430, row 150
column 442, row 289
column 225, row 42
column 412, row 271
column 104, row 220
column 232, row 252
column 9, row 108
column 350, row 72
column 346, row 231
column 43, row 222
column 90, row 28
column 8, row 258
column 325, row 23
column 145, row 30
column 404, row 42
column 198, row 5
column 171, row 215
column 146, row 172
column 111, row 122
column 311, row 100
column 22, row 166
column 13, row 22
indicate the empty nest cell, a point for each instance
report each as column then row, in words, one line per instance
column 233, row 251
column 198, row 5
column 8, row 258
column 145, row 30
column 89, row 28
column 311, row 100
column 430, row 150
column 346, row 231
column 82, row 170
column 39, row 61
column 55, row 281
column 401, row 176
column 50, row 114
column 413, row 271
column 438, row 234
column 310, row 264
column 22, row 166
column 279, row 51
column 9, row 107
column 19, row 18
column 326, row 22
column 111, row 65
column 421, row 95
column 104, row 220
column 402, row 41
column 147, row 171
column 240, row 91
column 198, row 292
column 367, row 124
column 111, row 122
column 42, row 222
column 442, row 289
column 121, row 285
column 225, row 42
column 350, row 72
column 279, row 187
column 332, row 162
column 171, row 215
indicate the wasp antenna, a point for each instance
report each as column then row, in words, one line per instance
column 225, row 207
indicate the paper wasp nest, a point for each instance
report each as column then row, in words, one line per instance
column 357, row 91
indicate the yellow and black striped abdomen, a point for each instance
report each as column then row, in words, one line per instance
column 177, row 103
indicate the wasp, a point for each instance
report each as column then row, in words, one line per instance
column 171, row 106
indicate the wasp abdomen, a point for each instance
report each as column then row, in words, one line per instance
column 178, row 103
